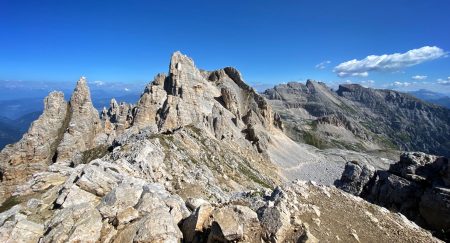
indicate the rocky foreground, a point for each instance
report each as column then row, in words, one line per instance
column 199, row 158
column 418, row 186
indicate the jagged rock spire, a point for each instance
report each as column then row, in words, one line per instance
column 81, row 95
column 83, row 127
column 36, row 148
column 181, row 71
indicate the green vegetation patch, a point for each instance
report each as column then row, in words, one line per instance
column 195, row 129
column 312, row 139
column 248, row 173
column 94, row 153
column 387, row 143
column 164, row 140
column 9, row 203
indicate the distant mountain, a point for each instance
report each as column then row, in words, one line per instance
column 16, row 108
column 442, row 102
column 432, row 97
column 18, row 98
column 8, row 132
column 13, row 90
column 359, row 118
column 12, row 130
column 23, row 123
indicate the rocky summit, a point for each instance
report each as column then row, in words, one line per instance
column 201, row 157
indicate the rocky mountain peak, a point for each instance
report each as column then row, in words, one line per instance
column 83, row 124
column 182, row 70
column 113, row 104
column 54, row 99
column 178, row 60
column 310, row 83
column 348, row 88
column 81, row 93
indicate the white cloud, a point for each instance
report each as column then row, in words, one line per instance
column 368, row 82
column 323, row 64
column 400, row 84
column 344, row 74
column 419, row 77
column 444, row 81
column 98, row 83
column 388, row 62
column 126, row 89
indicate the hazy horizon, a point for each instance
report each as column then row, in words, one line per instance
column 401, row 45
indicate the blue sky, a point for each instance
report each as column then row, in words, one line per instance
column 268, row 41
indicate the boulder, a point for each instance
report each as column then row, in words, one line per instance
column 80, row 223
column 99, row 178
column 355, row 177
column 156, row 226
column 275, row 221
column 417, row 186
column 18, row 229
column 120, row 199
column 194, row 203
column 435, row 208
column 193, row 226
column 234, row 223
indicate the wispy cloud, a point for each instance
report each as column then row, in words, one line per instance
column 98, row 83
column 367, row 83
column 444, row 81
column 419, row 77
column 323, row 64
column 400, row 84
column 361, row 75
column 388, row 62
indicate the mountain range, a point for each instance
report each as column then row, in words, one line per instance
column 432, row 97
column 17, row 113
column 215, row 161
column 360, row 119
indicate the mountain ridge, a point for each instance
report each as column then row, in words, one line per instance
column 373, row 118
column 200, row 151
